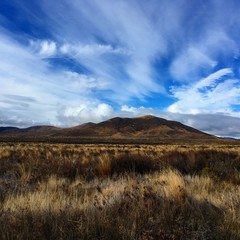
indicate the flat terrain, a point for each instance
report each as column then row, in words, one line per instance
column 119, row 191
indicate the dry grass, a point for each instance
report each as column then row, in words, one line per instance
column 57, row 191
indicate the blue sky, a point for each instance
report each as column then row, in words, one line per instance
column 68, row 62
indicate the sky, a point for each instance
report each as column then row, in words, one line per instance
column 65, row 63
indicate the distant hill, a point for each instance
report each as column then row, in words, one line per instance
column 146, row 127
column 36, row 131
column 6, row 129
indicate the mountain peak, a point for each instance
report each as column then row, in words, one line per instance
column 143, row 127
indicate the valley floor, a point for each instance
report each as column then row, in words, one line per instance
column 117, row 191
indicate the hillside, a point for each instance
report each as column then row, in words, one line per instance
column 140, row 127
column 146, row 127
column 36, row 131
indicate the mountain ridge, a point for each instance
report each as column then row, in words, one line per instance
column 144, row 127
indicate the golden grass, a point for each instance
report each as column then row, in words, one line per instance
column 50, row 191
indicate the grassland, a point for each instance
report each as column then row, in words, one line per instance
column 117, row 191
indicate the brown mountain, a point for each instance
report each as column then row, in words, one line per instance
column 36, row 131
column 135, row 128
column 146, row 127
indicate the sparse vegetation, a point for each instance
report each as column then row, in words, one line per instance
column 117, row 191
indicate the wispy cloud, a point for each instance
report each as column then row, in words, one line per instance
column 20, row 98
column 122, row 24
column 216, row 124
column 72, row 57
column 95, row 50
column 31, row 89
column 43, row 48
column 215, row 93
column 85, row 113
column 189, row 64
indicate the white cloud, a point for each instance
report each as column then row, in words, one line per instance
column 126, row 32
column 121, row 41
column 44, row 48
column 97, row 112
column 189, row 63
column 15, row 120
column 215, row 93
column 203, row 54
column 210, row 81
column 217, row 124
column 48, row 48
column 136, row 112
column 126, row 108
column 126, row 48
column 23, row 75
column 82, row 83
column 85, row 113
column 93, row 50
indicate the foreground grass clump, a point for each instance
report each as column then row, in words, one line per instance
column 50, row 191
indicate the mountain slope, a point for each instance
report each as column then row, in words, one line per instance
column 36, row 131
column 140, row 127
column 146, row 127
column 7, row 129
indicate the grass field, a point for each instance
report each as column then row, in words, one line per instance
column 117, row 191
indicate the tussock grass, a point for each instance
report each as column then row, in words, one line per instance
column 50, row 191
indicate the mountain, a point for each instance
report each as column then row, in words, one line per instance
column 6, row 129
column 36, row 131
column 136, row 128
column 146, row 127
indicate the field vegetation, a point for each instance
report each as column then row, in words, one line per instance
column 117, row 191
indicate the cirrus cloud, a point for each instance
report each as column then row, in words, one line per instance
column 128, row 57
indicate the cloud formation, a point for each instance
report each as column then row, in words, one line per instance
column 213, row 94
column 216, row 124
column 71, row 61
column 44, row 48
column 85, row 113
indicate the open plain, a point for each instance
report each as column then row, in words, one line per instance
column 119, row 191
